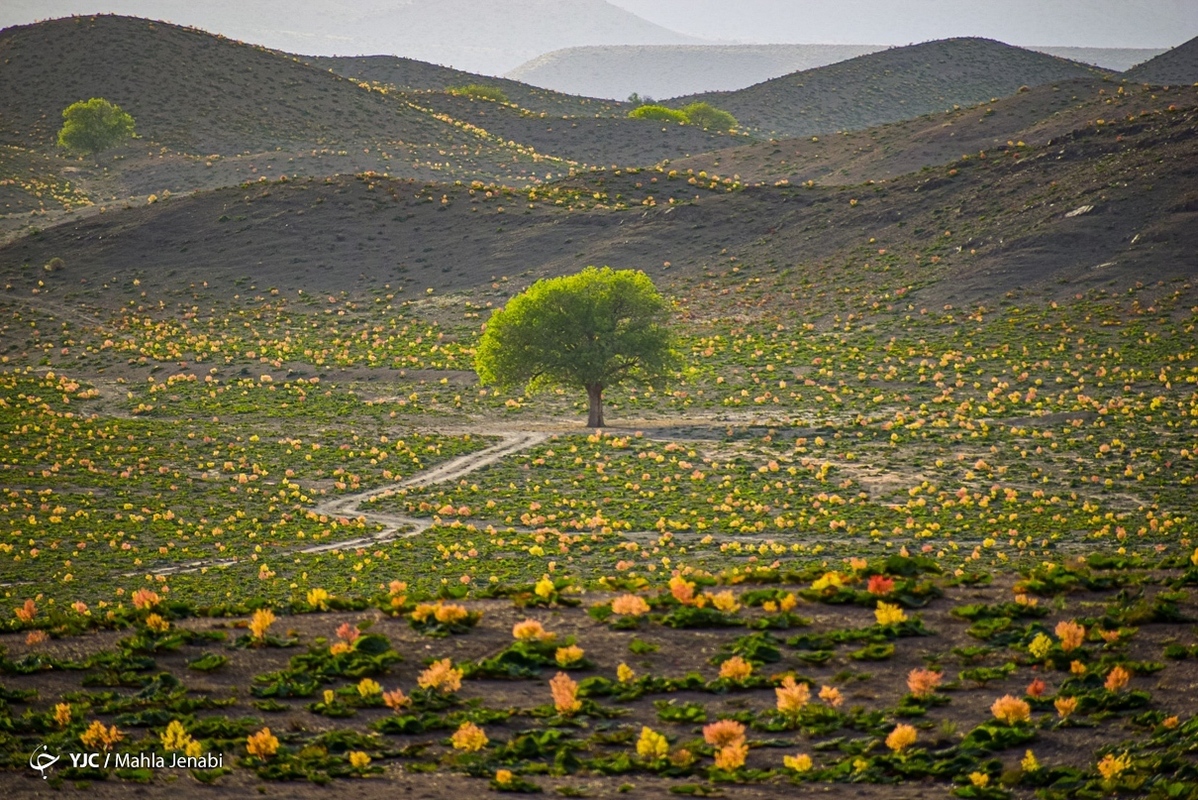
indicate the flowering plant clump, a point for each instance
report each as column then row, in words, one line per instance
column 651, row 745
column 441, row 676
column 735, row 669
column 262, row 745
column 469, row 738
column 889, row 614
column 565, row 694
column 260, row 624
column 791, row 696
column 923, row 682
column 1011, row 710
column 902, row 737
column 99, row 736
column 1071, row 634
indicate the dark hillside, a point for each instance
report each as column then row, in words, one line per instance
column 891, row 85
column 188, row 90
column 407, row 74
column 1179, row 65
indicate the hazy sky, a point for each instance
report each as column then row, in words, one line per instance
column 1080, row 23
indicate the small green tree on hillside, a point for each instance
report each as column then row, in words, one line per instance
column 592, row 330
column 94, row 125
column 660, row 113
column 709, row 117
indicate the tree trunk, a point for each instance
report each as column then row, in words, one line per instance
column 595, row 396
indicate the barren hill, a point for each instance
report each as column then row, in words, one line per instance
column 671, row 70
column 891, row 85
column 1032, row 118
column 1179, row 65
column 407, row 74
column 187, row 89
column 964, row 232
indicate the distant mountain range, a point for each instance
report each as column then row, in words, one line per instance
column 488, row 37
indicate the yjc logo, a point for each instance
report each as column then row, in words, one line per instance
column 41, row 760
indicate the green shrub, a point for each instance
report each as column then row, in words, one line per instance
column 94, row 125
column 660, row 113
column 709, row 117
column 480, row 91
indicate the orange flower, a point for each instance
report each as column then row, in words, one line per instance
column 1036, row 688
column 902, row 737
column 565, row 656
column 923, row 682
column 145, row 598
column 732, row 757
column 880, row 585
column 1011, row 710
column 530, row 629
column 831, row 695
column 792, row 696
column 629, row 605
column 441, row 676
column 1112, row 766
column 260, row 623
column 26, row 612
column 348, row 633
column 1065, row 706
column 1117, row 678
column 262, row 744
column 1077, row 667
column 736, row 669
column 682, row 590
column 99, row 736
column 396, row 700
column 1071, row 635
column 565, row 694
column 723, row 733
column 469, row 738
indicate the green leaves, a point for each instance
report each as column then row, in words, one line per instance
column 94, row 125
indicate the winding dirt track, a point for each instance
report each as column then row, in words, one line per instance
column 393, row 525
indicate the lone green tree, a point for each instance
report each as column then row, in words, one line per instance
column 94, row 125
column 591, row 330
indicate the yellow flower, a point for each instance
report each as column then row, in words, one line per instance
column 629, row 605
column 1194, row 558
column 800, row 763
column 788, row 602
column 792, row 696
column 1065, row 706
column 423, row 611
column 1112, row 766
column 732, row 757
column 359, row 760
column 979, row 779
column 262, row 744
column 652, row 745
column 735, row 669
column 1011, row 710
column 530, row 629
column 99, row 736
column 1077, row 667
column 625, row 673
column 1171, row 722
column 157, row 623
column 62, row 714
column 469, row 737
column 448, row 613
column 260, row 623
column 831, row 695
column 1071, row 635
column 441, row 676
column 725, row 601
column 369, row 688
column 1029, row 762
column 723, row 733
column 319, row 599
column 175, row 737
column 888, row 614
column 829, row 580
column 544, row 588
column 1117, row 679
column 565, row 656
column 503, row 777
column 565, row 694
column 1040, row 645
column 329, row 697
column 902, row 737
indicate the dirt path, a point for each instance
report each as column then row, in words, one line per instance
column 393, row 525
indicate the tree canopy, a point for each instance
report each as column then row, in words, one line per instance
column 94, row 125
column 591, row 330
